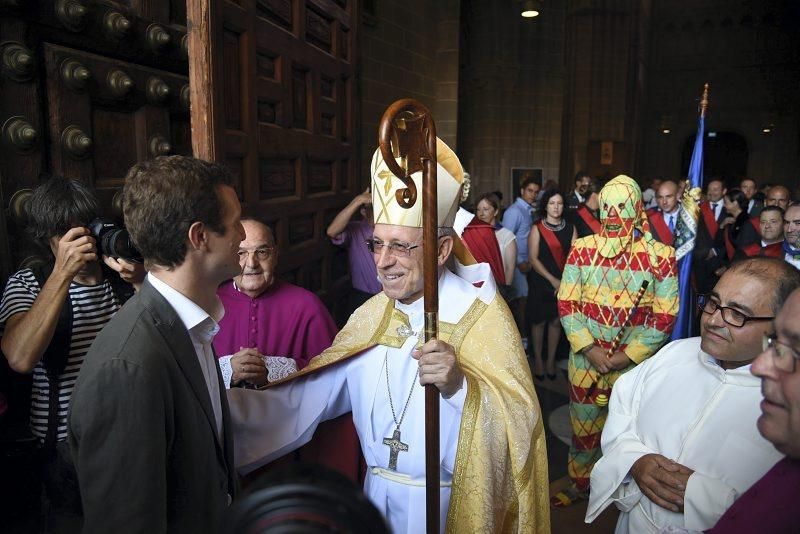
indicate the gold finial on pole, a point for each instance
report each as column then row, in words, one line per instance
column 704, row 101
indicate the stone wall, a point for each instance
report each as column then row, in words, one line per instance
column 409, row 49
column 510, row 92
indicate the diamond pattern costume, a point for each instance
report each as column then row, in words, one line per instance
column 598, row 289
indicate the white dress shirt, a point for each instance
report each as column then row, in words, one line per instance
column 716, row 208
column 202, row 328
column 674, row 216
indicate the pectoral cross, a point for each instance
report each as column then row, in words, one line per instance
column 396, row 446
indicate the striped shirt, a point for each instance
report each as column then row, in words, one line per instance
column 92, row 308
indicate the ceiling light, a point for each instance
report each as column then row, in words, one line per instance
column 666, row 130
column 531, row 8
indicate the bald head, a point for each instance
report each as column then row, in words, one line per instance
column 667, row 196
column 778, row 196
column 791, row 225
column 258, row 258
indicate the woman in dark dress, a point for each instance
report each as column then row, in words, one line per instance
column 548, row 246
column 738, row 230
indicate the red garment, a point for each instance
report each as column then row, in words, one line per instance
column 479, row 238
column 658, row 227
column 290, row 321
column 770, row 505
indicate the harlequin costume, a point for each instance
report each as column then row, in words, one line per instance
column 601, row 279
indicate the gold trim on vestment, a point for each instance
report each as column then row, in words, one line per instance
column 500, row 481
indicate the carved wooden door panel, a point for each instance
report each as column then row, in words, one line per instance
column 88, row 87
column 107, row 114
column 282, row 114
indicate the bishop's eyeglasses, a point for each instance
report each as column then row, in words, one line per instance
column 731, row 316
column 395, row 248
column 783, row 355
column 261, row 253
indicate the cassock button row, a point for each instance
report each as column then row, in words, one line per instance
column 252, row 317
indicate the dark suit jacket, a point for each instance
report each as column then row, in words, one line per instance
column 142, row 430
column 702, row 265
column 573, row 202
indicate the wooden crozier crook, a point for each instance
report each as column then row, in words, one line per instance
column 407, row 131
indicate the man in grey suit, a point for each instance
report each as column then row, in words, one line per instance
column 149, row 422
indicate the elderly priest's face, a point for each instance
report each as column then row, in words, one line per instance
column 747, row 296
column 780, row 381
column 257, row 259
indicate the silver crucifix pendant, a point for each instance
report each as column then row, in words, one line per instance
column 396, row 446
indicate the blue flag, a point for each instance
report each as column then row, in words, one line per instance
column 685, row 232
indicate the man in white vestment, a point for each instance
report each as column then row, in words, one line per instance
column 681, row 443
column 493, row 461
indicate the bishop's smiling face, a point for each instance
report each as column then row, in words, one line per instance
column 401, row 276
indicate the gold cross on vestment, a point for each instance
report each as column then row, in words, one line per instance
column 396, row 446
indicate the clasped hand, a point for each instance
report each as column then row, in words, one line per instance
column 662, row 480
column 603, row 364
column 248, row 366
column 438, row 366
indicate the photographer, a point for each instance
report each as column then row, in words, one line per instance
column 50, row 315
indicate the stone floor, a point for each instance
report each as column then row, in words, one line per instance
column 553, row 397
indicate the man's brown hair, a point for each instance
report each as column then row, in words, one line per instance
column 163, row 197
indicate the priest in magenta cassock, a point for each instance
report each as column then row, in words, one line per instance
column 265, row 316
column 493, row 459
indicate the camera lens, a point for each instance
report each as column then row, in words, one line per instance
column 117, row 244
column 114, row 241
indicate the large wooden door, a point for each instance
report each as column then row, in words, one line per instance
column 274, row 97
column 88, row 87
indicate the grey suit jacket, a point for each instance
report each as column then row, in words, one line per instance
column 142, row 430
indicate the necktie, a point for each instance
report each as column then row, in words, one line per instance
column 671, row 223
column 714, row 209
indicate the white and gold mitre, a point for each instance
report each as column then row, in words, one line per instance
column 449, row 176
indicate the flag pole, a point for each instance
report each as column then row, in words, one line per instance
column 407, row 131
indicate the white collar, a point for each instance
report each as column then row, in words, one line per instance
column 673, row 212
column 456, row 296
column 190, row 314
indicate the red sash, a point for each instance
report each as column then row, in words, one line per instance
column 589, row 219
column 775, row 250
column 708, row 217
column 729, row 248
column 756, row 222
column 481, row 241
column 753, row 249
column 662, row 230
column 553, row 244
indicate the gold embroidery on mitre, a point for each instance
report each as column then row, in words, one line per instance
column 450, row 178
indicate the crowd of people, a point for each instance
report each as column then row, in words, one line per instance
column 157, row 382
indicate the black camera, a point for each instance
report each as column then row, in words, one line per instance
column 114, row 240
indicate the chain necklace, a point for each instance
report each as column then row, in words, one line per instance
column 394, row 443
column 555, row 227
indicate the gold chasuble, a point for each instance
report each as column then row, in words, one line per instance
column 500, row 481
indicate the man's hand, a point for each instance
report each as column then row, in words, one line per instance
column 133, row 273
column 556, row 284
column 248, row 366
column 661, row 480
column 597, row 357
column 619, row 360
column 438, row 366
column 365, row 198
column 75, row 249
